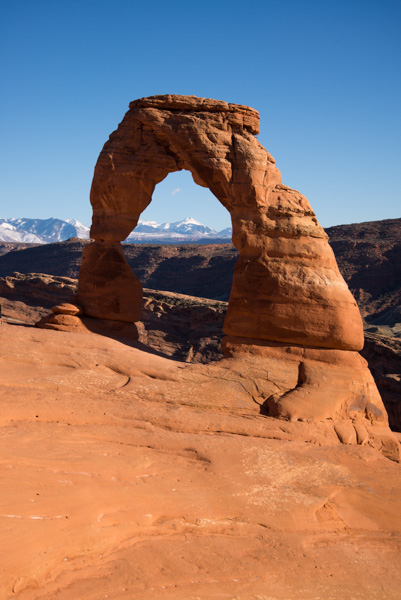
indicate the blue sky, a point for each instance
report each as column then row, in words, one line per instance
column 324, row 75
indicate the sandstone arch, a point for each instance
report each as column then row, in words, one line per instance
column 286, row 287
column 291, row 321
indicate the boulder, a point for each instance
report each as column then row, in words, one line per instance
column 66, row 308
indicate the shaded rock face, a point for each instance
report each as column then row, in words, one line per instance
column 288, row 304
column 104, row 265
column 383, row 354
column 62, row 259
column 27, row 298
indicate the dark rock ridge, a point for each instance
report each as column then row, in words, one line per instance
column 369, row 258
column 62, row 259
column 6, row 247
column 196, row 270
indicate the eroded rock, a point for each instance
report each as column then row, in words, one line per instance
column 287, row 294
column 286, row 285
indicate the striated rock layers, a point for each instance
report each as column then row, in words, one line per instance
column 288, row 303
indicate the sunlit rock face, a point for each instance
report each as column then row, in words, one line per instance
column 287, row 294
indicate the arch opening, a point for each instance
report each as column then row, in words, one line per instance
column 176, row 198
column 186, row 275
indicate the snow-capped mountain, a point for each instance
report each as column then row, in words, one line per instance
column 188, row 225
column 46, row 231
column 10, row 233
column 225, row 233
column 41, row 231
column 187, row 230
column 82, row 231
column 147, row 226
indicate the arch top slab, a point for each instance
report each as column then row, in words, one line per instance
column 237, row 114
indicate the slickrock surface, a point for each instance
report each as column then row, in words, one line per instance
column 127, row 475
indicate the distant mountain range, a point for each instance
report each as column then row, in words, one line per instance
column 187, row 230
column 47, row 231
column 41, row 231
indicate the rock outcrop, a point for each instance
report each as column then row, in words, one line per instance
column 383, row 354
column 27, row 298
column 288, row 302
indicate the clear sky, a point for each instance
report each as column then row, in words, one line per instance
column 324, row 75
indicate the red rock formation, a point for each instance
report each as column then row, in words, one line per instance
column 286, row 286
column 287, row 289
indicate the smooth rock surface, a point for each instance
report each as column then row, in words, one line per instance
column 310, row 384
column 127, row 475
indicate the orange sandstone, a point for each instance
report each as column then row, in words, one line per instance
column 127, row 475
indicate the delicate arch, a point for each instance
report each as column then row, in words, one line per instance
column 286, row 286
